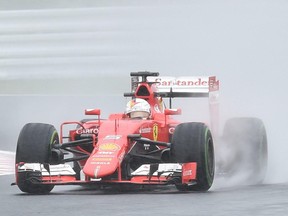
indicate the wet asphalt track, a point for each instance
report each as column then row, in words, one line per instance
column 74, row 200
column 260, row 33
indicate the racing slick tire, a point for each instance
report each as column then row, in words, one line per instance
column 246, row 141
column 34, row 146
column 192, row 142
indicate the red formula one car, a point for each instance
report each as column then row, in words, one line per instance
column 143, row 146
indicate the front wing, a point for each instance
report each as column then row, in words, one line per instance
column 146, row 174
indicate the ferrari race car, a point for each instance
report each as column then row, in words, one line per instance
column 133, row 150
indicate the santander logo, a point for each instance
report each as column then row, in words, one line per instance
column 182, row 82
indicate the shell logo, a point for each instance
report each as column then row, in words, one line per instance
column 109, row 147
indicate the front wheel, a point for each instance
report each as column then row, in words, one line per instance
column 34, row 146
column 192, row 142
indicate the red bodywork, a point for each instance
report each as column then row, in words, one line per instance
column 113, row 140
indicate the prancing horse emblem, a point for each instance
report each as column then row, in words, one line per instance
column 155, row 132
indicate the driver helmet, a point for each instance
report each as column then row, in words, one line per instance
column 138, row 108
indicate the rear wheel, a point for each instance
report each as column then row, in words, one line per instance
column 192, row 142
column 34, row 146
column 245, row 140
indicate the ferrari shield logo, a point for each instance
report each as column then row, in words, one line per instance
column 155, row 132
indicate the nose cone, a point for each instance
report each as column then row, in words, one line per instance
column 103, row 162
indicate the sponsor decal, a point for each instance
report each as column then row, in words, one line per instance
column 112, row 137
column 87, row 131
column 101, row 163
column 213, row 84
column 109, row 147
column 164, row 82
column 182, row 82
column 102, row 159
column 104, row 153
column 155, row 132
column 187, row 173
column 145, row 130
column 146, row 147
column 171, row 130
column 112, row 155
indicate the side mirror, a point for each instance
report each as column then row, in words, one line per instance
column 92, row 112
column 172, row 111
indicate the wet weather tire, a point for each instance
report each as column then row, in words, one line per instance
column 34, row 146
column 192, row 142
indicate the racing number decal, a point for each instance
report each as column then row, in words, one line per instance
column 155, row 132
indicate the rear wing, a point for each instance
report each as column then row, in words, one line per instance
column 172, row 87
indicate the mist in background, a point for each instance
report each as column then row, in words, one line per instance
column 59, row 57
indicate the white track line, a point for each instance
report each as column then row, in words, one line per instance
column 7, row 162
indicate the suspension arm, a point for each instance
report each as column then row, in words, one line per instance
column 138, row 138
column 73, row 143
